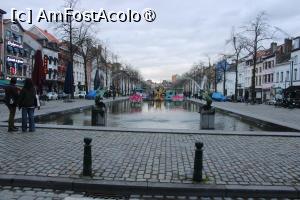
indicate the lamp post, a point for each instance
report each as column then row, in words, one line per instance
column 292, row 69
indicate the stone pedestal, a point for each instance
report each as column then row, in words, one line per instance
column 99, row 116
column 207, row 118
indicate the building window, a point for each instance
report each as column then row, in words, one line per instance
column 287, row 78
column 259, row 80
column 8, row 34
column 295, row 74
column 277, row 77
column 271, row 78
column 281, row 77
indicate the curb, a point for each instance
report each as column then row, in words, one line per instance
column 163, row 131
column 127, row 188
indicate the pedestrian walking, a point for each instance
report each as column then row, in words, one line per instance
column 11, row 98
column 246, row 97
column 28, row 100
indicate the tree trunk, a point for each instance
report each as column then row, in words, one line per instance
column 215, row 81
column 236, row 78
column 71, row 55
column 224, row 83
column 253, row 94
column 85, row 76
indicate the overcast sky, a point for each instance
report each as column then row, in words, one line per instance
column 183, row 33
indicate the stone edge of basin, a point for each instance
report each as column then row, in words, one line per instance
column 126, row 188
column 163, row 131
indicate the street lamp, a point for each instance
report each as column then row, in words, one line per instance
column 292, row 69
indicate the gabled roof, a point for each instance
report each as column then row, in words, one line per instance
column 2, row 12
column 32, row 35
column 6, row 21
column 47, row 35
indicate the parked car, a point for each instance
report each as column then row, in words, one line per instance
column 240, row 99
column 228, row 98
column 271, row 102
column 91, row 95
column 76, row 95
column 52, row 96
column 2, row 94
column 80, row 94
column 62, row 95
column 217, row 96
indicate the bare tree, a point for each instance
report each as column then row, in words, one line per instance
column 223, row 65
column 87, row 49
column 254, row 34
column 68, row 31
column 210, row 73
column 237, row 43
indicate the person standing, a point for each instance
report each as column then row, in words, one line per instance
column 11, row 98
column 28, row 102
column 246, row 97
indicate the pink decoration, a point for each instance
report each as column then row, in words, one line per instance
column 135, row 98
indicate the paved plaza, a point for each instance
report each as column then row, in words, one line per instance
column 144, row 157
column 140, row 157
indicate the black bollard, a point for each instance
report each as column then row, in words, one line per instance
column 198, row 162
column 87, row 157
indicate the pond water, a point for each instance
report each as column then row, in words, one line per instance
column 159, row 115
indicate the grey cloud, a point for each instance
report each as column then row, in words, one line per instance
column 184, row 32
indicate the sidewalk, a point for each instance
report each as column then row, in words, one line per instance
column 147, row 160
column 281, row 116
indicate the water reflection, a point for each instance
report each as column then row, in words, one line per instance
column 166, row 115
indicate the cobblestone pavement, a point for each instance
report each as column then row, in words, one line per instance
column 52, row 106
column 18, row 193
column 165, row 158
column 282, row 116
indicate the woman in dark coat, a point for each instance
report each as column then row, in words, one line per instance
column 27, row 101
column 11, row 100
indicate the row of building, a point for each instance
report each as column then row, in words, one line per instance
column 17, row 50
column 277, row 68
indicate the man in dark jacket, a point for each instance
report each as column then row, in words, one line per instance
column 11, row 98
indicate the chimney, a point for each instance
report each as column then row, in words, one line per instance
column 273, row 47
column 288, row 44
